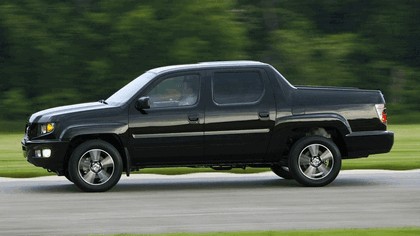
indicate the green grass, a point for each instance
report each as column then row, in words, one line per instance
column 339, row 232
column 405, row 155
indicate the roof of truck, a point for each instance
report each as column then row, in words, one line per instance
column 206, row 65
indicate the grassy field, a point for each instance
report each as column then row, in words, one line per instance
column 405, row 155
column 341, row 232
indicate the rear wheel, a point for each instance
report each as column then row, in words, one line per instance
column 282, row 171
column 95, row 166
column 314, row 161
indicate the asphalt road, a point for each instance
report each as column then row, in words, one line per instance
column 209, row 202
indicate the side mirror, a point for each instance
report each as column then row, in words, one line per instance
column 143, row 103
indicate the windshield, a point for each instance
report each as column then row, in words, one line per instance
column 125, row 93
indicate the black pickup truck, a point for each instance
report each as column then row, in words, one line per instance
column 222, row 115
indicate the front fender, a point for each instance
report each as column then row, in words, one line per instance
column 100, row 128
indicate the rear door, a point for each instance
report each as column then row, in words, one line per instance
column 239, row 115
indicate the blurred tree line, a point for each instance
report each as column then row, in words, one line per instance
column 61, row 52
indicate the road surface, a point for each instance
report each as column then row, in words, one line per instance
column 209, row 202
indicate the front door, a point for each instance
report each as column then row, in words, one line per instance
column 170, row 132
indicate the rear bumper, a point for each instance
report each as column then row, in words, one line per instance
column 363, row 144
column 56, row 160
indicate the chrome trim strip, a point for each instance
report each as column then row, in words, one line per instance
column 192, row 134
column 169, row 135
column 243, row 131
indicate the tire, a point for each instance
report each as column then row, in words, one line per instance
column 95, row 166
column 67, row 175
column 282, row 171
column 314, row 161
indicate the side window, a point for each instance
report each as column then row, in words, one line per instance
column 175, row 91
column 237, row 87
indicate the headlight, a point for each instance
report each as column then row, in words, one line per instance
column 47, row 128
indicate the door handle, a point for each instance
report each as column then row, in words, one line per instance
column 264, row 115
column 193, row 118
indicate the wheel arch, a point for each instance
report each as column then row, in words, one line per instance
column 325, row 130
column 289, row 130
column 110, row 132
column 113, row 139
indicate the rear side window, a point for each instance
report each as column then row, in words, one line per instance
column 237, row 87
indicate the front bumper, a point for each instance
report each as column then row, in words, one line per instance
column 55, row 162
column 363, row 144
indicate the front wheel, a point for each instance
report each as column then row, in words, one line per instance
column 314, row 161
column 95, row 166
column 67, row 175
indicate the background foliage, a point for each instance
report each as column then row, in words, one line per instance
column 61, row 52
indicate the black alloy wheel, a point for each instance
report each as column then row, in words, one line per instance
column 95, row 166
column 314, row 161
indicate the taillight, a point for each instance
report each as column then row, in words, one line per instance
column 381, row 110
